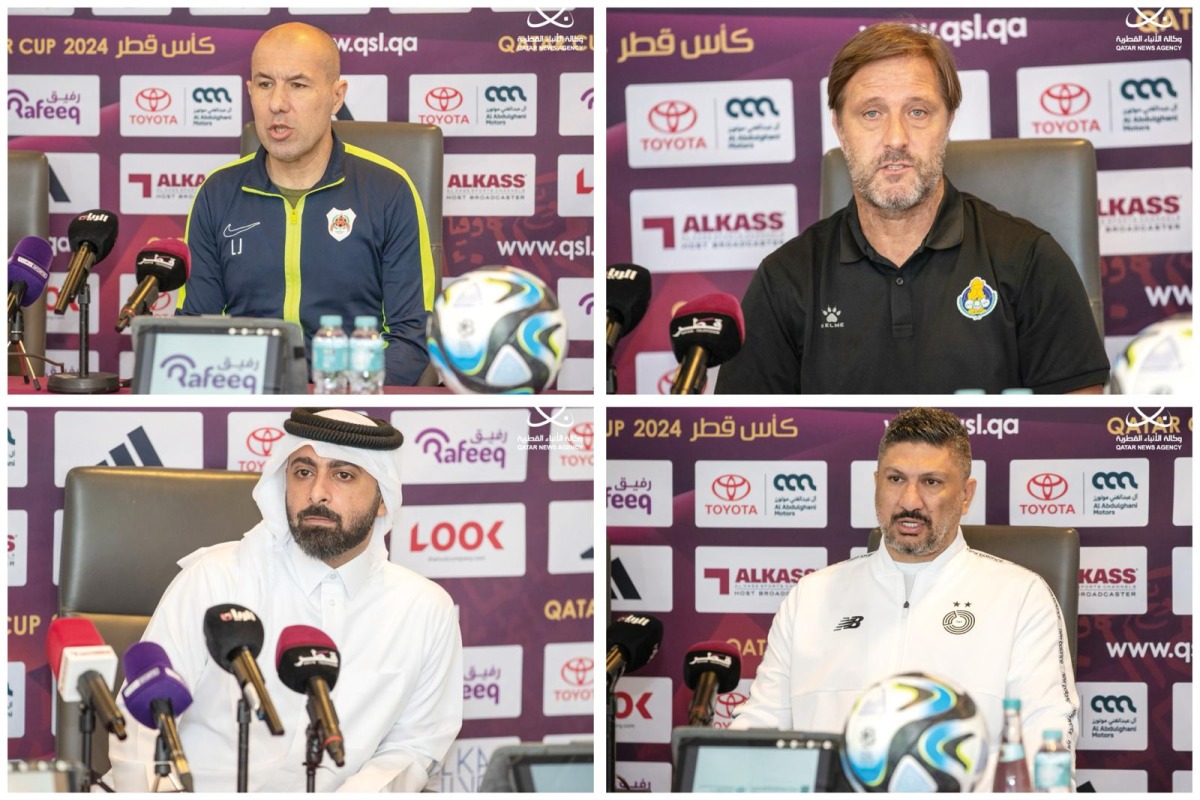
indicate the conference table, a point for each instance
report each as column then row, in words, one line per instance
column 18, row 386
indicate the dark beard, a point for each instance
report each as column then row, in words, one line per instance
column 323, row 543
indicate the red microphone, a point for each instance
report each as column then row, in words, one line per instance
column 308, row 663
column 709, row 669
column 162, row 266
column 84, row 668
column 705, row 332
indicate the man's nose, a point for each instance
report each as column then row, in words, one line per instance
column 319, row 490
column 279, row 101
column 910, row 497
column 896, row 132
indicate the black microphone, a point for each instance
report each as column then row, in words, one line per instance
column 628, row 288
column 633, row 641
column 155, row 695
column 705, row 332
column 92, row 235
column 709, row 669
column 84, row 667
column 234, row 636
column 162, row 266
column 28, row 271
column 308, row 663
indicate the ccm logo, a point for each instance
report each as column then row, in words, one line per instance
column 626, row 705
column 445, row 536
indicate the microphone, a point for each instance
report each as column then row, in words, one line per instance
column 234, row 636
column 705, row 333
column 628, row 287
column 92, row 235
column 308, row 663
column 162, row 266
column 709, row 669
column 633, row 641
column 28, row 271
column 84, row 667
column 155, row 694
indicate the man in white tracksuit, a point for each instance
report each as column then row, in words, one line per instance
column 923, row 602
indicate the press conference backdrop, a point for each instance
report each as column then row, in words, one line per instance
column 524, row 594
column 713, row 514
column 134, row 108
column 717, row 122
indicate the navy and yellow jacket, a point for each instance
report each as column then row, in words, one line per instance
column 356, row 243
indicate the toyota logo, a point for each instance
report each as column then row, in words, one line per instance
column 152, row 99
column 162, row 302
column 582, row 436
column 1047, row 486
column 260, row 441
column 672, row 116
column 578, row 671
column 443, row 98
column 727, row 702
column 1066, row 99
column 730, row 487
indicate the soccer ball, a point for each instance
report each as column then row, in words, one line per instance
column 914, row 733
column 497, row 330
column 1157, row 361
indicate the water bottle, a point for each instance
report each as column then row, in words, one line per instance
column 1052, row 764
column 366, row 357
column 1012, row 773
column 330, row 351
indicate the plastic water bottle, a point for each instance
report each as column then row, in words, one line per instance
column 366, row 357
column 1012, row 773
column 1052, row 764
column 330, row 356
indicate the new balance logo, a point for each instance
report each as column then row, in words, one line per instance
column 122, row 457
column 847, row 623
column 622, row 587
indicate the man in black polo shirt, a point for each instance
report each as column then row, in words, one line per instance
column 914, row 287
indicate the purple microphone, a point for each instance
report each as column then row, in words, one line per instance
column 155, row 694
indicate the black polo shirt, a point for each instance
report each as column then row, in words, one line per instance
column 988, row 301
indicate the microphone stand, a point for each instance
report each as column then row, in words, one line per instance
column 83, row 382
column 243, row 718
column 313, row 753
column 610, row 746
column 162, row 765
column 87, row 726
column 16, row 335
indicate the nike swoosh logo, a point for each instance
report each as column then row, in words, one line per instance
column 230, row 232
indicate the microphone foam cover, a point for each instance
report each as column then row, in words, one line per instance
column 165, row 259
column 30, row 263
column 628, row 287
column 67, row 632
column 97, row 228
column 149, row 677
column 713, row 322
column 305, row 652
column 718, row 657
column 229, row 627
column 639, row 636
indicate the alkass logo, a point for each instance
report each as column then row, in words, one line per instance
column 1112, row 575
column 468, row 537
column 1151, row 205
column 486, row 180
column 578, row 671
column 754, row 575
column 1047, row 486
column 636, row 707
column 582, row 436
column 443, row 98
column 672, row 116
column 730, row 488
column 1065, row 99
column 238, row 615
column 260, row 440
column 153, row 100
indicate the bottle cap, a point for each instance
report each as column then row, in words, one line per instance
column 1012, row 704
column 331, row 320
column 1052, row 735
column 365, row 321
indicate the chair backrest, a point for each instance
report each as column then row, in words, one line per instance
column 1050, row 182
column 124, row 529
column 29, row 215
column 1052, row 553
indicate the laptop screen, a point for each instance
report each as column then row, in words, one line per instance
column 561, row 776
column 708, row 760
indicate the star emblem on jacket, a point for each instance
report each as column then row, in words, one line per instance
column 341, row 222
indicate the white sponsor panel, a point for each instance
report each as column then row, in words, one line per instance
column 1145, row 211
column 126, row 363
column 576, row 98
column 475, row 105
column 58, row 526
column 576, row 185
column 181, row 105
column 1181, row 716
column 53, row 105
column 710, row 228
column 727, row 704
column 576, row 375
column 1114, row 780
column 127, row 438
column 715, row 122
column 761, row 494
column 973, row 120
column 858, row 551
column 1181, row 580
column 18, row 449
column 571, row 548
column 163, row 306
column 492, row 682
column 1181, row 781
column 367, row 97
column 862, row 494
column 1119, row 104
column 572, row 447
column 643, row 776
column 569, row 679
column 74, row 182
column 69, row 322
column 751, row 580
column 1112, row 580
column 1113, row 716
column 461, row 541
column 18, row 547
column 641, row 578
column 70, row 361
column 470, row 447
column 1085, row 492
column 1181, row 510
column 153, row 183
column 644, row 710
column 466, row 762
column 489, row 185
column 567, row 738
column 655, row 371
column 639, row 493
column 251, row 437
column 16, row 699
column 577, row 297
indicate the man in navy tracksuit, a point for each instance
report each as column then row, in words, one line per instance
column 310, row 225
